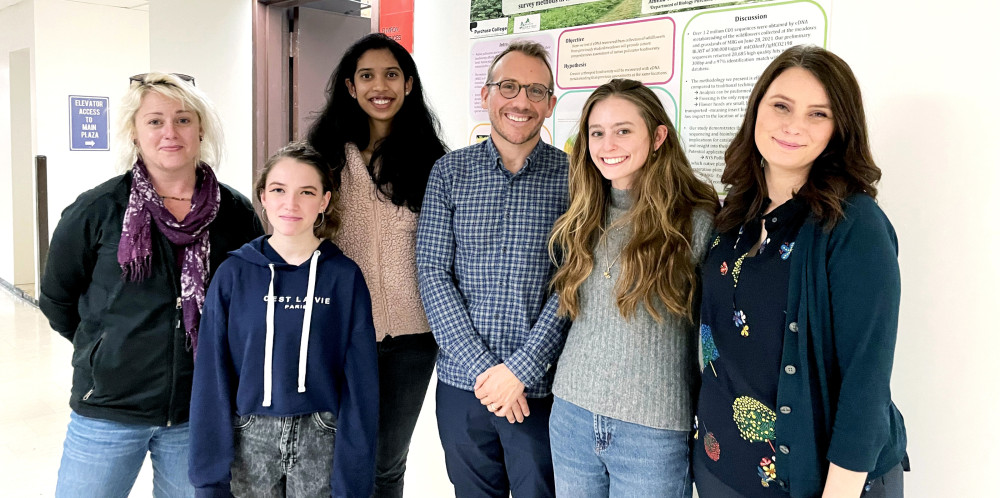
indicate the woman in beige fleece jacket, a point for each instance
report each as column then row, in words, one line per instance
column 381, row 140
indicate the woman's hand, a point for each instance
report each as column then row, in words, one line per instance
column 843, row 483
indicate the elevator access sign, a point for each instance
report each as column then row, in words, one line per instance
column 88, row 123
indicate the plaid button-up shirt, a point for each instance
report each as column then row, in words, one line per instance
column 484, row 267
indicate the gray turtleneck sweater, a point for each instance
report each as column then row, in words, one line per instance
column 638, row 370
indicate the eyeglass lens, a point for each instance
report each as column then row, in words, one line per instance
column 536, row 92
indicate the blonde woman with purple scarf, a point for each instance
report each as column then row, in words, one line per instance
column 128, row 267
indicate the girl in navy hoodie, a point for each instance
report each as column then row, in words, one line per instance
column 286, row 363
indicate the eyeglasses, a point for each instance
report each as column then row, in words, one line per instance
column 141, row 78
column 536, row 92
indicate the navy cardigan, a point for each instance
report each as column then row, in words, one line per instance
column 833, row 400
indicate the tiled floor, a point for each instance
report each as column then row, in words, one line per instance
column 34, row 388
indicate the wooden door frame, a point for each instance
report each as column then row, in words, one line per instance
column 273, row 45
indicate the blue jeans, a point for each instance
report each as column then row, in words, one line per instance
column 102, row 458
column 598, row 456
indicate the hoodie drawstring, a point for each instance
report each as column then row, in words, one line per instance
column 269, row 339
column 303, row 341
column 306, row 320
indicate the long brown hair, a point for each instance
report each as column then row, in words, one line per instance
column 656, row 261
column 845, row 167
column 306, row 154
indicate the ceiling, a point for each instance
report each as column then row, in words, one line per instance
column 124, row 4
column 352, row 7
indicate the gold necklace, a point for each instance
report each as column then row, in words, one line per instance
column 607, row 255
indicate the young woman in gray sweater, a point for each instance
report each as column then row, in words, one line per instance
column 628, row 249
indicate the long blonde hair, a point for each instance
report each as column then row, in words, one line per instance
column 656, row 261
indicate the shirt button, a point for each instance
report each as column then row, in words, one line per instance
column 790, row 369
column 784, row 449
column 774, row 220
column 794, row 326
column 497, row 316
column 504, row 250
column 785, row 410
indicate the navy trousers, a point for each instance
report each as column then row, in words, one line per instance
column 487, row 456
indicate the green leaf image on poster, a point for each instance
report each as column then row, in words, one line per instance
column 589, row 12
column 485, row 9
column 594, row 12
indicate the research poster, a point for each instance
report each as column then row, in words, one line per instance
column 701, row 57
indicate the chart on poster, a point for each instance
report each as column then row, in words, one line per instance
column 701, row 57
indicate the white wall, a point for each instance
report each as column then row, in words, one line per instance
column 16, row 33
column 81, row 49
column 441, row 51
column 928, row 73
column 212, row 41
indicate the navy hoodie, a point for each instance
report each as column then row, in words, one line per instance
column 282, row 340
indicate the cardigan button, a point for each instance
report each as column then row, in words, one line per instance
column 790, row 369
column 783, row 449
column 785, row 410
column 794, row 326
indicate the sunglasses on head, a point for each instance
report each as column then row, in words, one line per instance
column 141, row 78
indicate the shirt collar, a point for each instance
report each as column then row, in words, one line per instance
column 496, row 161
column 792, row 209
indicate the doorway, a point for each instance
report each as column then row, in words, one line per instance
column 22, row 174
column 297, row 44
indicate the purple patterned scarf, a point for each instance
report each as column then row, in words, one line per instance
column 135, row 249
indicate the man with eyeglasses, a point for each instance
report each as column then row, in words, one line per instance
column 484, row 271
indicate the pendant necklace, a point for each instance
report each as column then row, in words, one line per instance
column 607, row 255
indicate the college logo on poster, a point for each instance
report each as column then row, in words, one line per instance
column 527, row 24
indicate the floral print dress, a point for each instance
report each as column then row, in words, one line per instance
column 744, row 297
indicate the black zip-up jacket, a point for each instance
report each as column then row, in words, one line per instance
column 130, row 359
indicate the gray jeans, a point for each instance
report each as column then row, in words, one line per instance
column 283, row 456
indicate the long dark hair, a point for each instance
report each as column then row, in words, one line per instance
column 845, row 167
column 405, row 156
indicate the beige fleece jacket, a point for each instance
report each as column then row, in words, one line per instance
column 382, row 239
